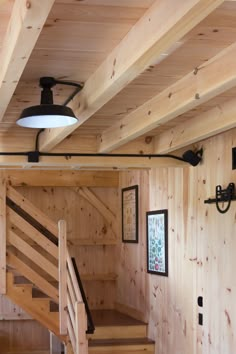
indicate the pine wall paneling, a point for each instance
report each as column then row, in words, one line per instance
column 131, row 283
column 202, row 247
column 23, row 335
column 18, row 332
column 10, row 311
column 85, row 225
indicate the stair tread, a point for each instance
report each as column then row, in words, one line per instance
column 113, row 318
column 120, row 341
column 28, row 285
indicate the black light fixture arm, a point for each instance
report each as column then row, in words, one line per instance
column 74, row 93
column 69, row 83
column 37, row 139
column 48, row 81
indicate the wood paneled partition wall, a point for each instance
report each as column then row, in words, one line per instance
column 202, row 244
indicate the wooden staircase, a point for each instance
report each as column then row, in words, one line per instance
column 43, row 280
column 37, row 272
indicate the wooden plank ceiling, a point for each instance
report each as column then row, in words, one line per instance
column 159, row 75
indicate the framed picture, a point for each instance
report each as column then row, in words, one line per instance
column 157, row 242
column 130, row 214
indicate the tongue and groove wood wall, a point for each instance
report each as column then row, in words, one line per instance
column 23, row 336
column 202, row 246
column 91, row 237
column 202, row 262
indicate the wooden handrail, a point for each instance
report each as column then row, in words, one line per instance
column 2, row 234
column 62, row 277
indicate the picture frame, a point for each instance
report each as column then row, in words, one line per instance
column 130, row 214
column 157, row 242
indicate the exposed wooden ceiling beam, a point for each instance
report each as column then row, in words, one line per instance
column 26, row 22
column 108, row 179
column 91, row 162
column 208, row 80
column 216, row 120
column 75, row 144
column 162, row 25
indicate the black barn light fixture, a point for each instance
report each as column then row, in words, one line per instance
column 48, row 114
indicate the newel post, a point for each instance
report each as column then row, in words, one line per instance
column 62, row 244
column 81, row 326
column 2, row 233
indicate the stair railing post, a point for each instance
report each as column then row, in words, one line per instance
column 2, row 233
column 81, row 327
column 62, row 244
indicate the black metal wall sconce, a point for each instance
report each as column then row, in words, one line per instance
column 223, row 196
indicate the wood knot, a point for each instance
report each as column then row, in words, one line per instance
column 148, row 139
column 28, row 4
column 104, row 230
column 228, row 317
column 113, row 74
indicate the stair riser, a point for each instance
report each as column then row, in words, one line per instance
column 114, row 332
